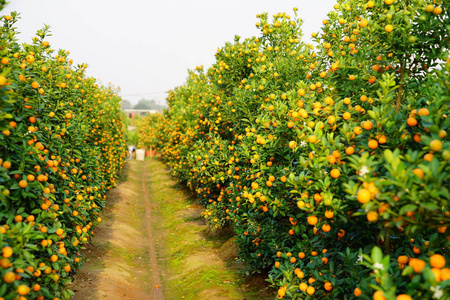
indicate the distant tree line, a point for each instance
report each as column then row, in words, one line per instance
column 143, row 104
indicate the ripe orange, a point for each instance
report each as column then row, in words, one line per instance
column 312, row 220
column 417, row 264
column 357, row 292
column 23, row 290
column 411, row 121
column 9, row 277
column 373, row 144
column 379, row 295
column 303, row 286
column 367, row 125
column 403, row 297
column 403, row 259
column 335, row 173
column 349, row 150
column 312, row 139
column 389, row 28
column 23, row 183
column 423, row 112
column 445, row 274
column 363, row 196
column 372, row 216
column 310, row 290
column 328, row 286
column 437, row 261
column 419, row 173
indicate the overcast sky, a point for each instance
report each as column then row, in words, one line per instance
column 145, row 46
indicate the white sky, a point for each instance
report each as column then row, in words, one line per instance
column 147, row 46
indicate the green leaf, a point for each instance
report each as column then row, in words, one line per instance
column 377, row 255
column 408, row 207
column 409, row 270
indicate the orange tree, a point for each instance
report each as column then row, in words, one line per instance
column 61, row 150
column 331, row 163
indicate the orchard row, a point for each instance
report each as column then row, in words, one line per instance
column 330, row 162
column 61, row 148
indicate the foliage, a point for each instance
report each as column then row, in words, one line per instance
column 331, row 163
column 61, row 148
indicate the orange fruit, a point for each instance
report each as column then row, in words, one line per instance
column 312, row 220
column 335, row 173
column 437, row 274
column 423, row 112
column 9, row 277
column 357, row 292
column 382, row 139
column 402, row 259
column 445, row 274
column 23, row 183
column 379, row 295
column 389, row 28
column 326, row 227
column 367, row 125
column 373, row 144
column 328, row 286
column 23, row 290
column 419, row 172
column 363, row 196
column 436, row 145
column 372, row 216
column 437, row 261
column 417, row 264
column 349, row 150
column 411, row 121
column 303, row 286
column 403, row 297
column 429, row 8
column 310, row 290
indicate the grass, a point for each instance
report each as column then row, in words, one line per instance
column 188, row 249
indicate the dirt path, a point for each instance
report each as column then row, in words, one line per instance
column 153, row 244
column 156, row 281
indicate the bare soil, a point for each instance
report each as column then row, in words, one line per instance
column 153, row 244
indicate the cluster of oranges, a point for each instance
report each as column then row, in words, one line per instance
column 61, row 150
column 330, row 162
